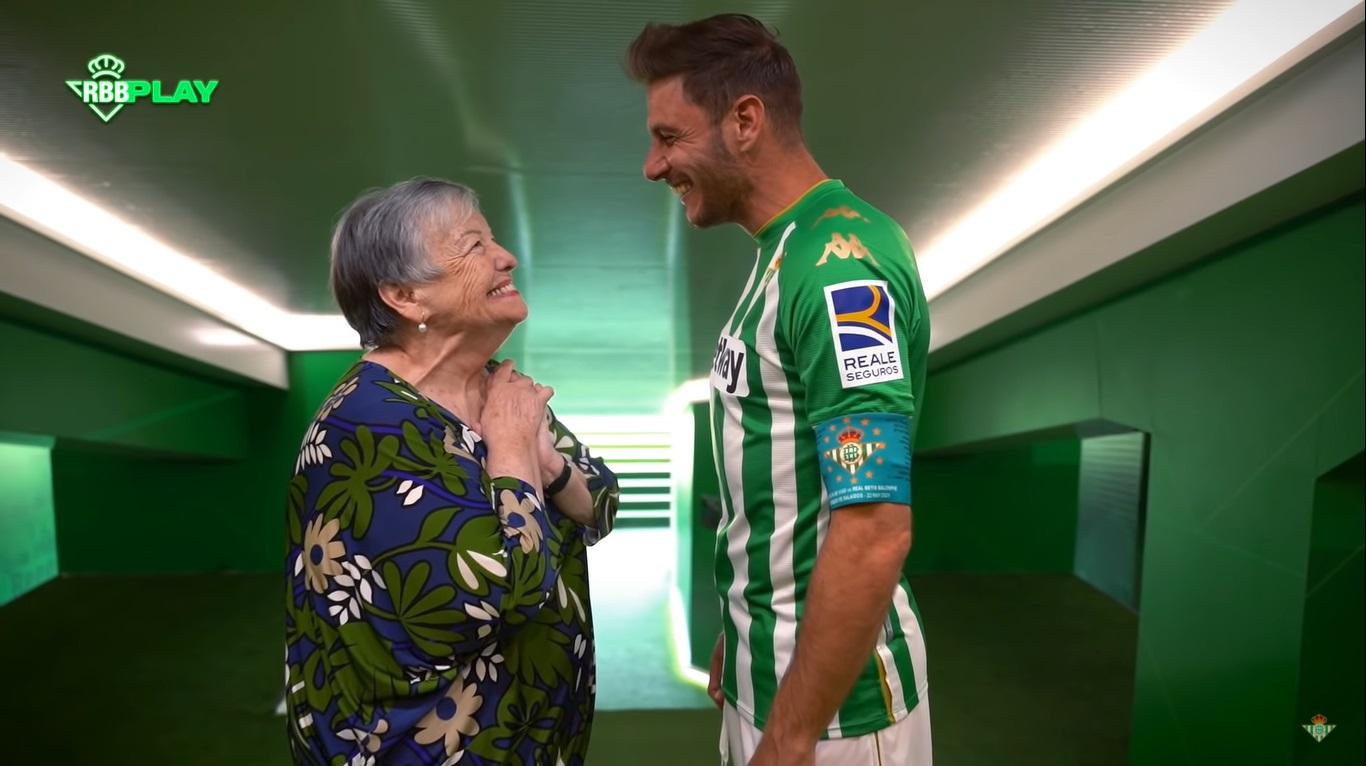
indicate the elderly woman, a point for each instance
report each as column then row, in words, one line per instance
column 438, row 607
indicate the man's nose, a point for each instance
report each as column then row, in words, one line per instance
column 655, row 165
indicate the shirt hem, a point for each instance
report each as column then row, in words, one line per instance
column 847, row 730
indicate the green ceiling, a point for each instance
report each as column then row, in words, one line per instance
column 920, row 107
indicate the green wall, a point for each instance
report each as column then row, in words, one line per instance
column 155, row 468
column 70, row 389
column 996, row 509
column 1247, row 372
column 28, row 541
column 132, row 512
column 1334, row 620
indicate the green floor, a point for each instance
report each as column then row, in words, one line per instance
column 186, row 670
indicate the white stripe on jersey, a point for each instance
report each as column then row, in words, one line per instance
column 823, row 529
column 915, row 642
column 769, row 272
column 891, row 672
column 729, row 328
column 783, row 475
column 737, row 534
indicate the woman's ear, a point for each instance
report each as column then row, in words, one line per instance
column 404, row 301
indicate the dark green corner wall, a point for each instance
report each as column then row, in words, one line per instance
column 1009, row 508
column 1335, row 619
column 1247, row 372
column 184, row 515
column 154, row 469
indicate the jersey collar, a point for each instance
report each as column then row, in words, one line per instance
column 779, row 221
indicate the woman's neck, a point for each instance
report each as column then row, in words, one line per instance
column 448, row 370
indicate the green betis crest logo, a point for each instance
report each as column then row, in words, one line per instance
column 107, row 93
column 1318, row 727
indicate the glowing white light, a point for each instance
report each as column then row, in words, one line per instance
column 679, row 644
column 222, row 337
column 302, row 332
column 38, row 202
column 677, row 414
column 1172, row 99
column 695, row 390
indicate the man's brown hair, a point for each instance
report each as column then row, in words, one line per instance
column 721, row 58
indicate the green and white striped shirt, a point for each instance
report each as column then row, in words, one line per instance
column 795, row 357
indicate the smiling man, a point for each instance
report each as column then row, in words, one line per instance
column 817, row 383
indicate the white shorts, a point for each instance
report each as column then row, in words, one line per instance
column 904, row 743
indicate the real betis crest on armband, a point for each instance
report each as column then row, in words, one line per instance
column 865, row 458
column 852, row 451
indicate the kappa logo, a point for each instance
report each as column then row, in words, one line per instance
column 863, row 324
column 843, row 211
column 728, row 367
column 844, row 249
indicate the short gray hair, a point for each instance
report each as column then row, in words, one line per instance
column 382, row 239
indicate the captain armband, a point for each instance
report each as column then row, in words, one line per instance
column 865, row 458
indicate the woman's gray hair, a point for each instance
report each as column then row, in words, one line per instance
column 382, row 239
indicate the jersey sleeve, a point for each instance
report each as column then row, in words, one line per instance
column 851, row 308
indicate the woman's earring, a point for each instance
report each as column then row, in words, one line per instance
column 422, row 326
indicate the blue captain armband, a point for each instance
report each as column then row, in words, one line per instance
column 865, row 458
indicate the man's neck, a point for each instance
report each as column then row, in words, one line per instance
column 780, row 180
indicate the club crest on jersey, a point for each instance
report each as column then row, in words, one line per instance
column 728, row 367
column 852, row 451
column 863, row 326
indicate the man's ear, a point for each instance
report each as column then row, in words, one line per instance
column 404, row 301
column 748, row 120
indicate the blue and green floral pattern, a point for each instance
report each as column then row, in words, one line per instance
column 435, row 614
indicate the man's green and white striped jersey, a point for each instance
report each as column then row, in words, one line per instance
column 820, row 369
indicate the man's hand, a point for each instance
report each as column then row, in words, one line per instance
column 718, row 658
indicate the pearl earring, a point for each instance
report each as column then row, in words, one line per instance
column 422, row 326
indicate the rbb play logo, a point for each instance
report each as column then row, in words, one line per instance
column 107, row 93
column 728, row 367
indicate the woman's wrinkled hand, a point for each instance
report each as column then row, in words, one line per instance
column 552, row 461
column 514, row 411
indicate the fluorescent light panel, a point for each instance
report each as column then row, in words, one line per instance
column 1146, row 117
column 53, row 210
